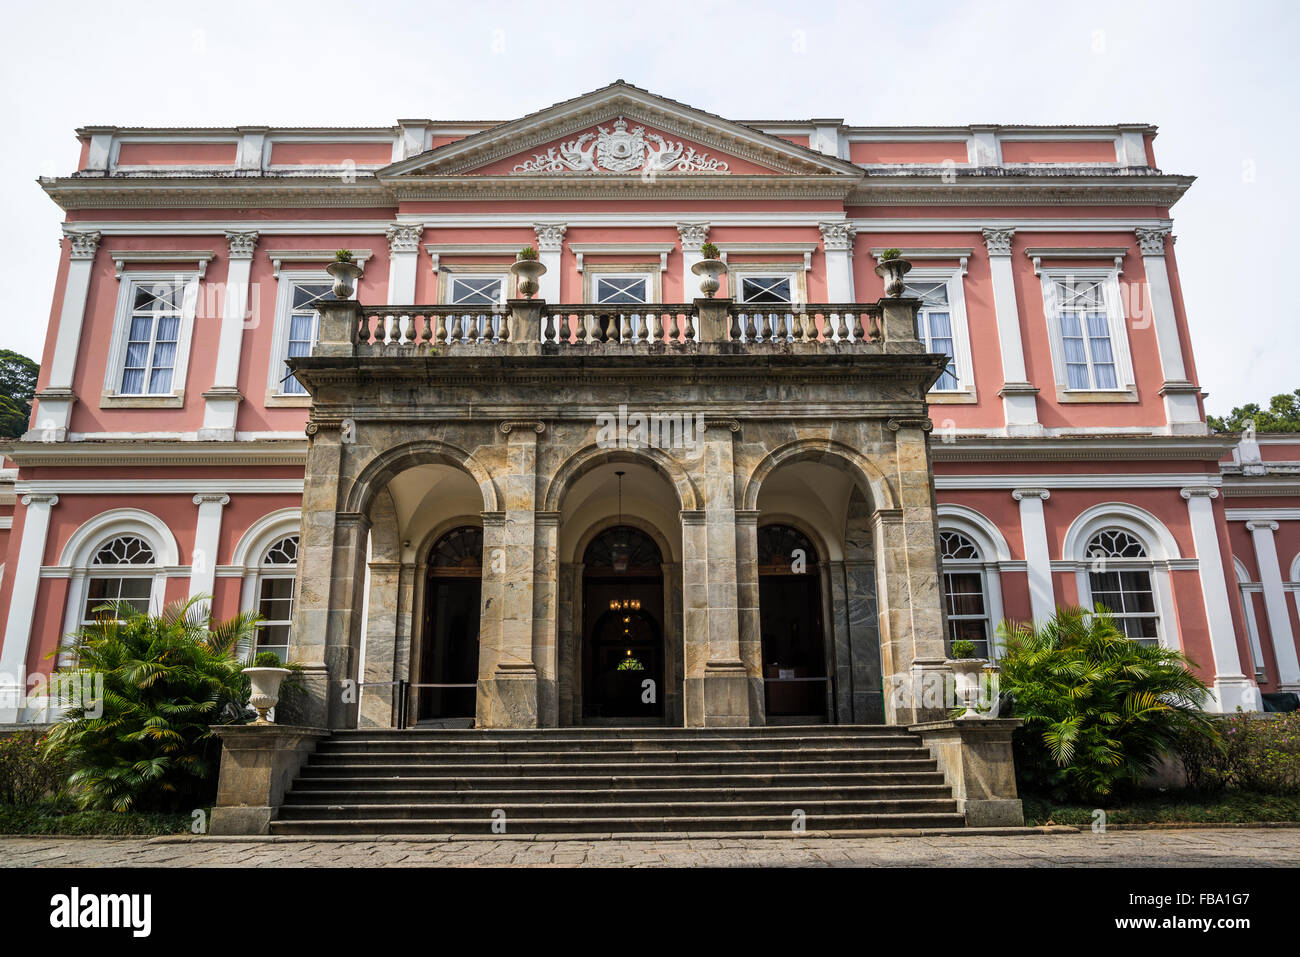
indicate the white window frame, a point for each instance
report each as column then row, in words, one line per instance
column 1117, row 324
column 993, row 551
column 114, row 372
column 269, row 572
column 250, row 550
column 455, row 277
column 286, row 282
column 642, row 278
column 1249, row 590
column 591, row 274
column 739, row 273
column 961, row 352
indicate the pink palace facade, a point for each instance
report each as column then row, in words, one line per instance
column 1070, row 456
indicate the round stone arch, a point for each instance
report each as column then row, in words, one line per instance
column 593, row 456
column 1160, row 542
column 670, row 555
column 871, row 481
column 381, row 470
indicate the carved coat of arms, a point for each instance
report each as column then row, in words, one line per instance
column 622, row 151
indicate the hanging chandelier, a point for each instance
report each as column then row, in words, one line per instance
column 621, row 553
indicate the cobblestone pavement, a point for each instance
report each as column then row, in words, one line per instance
column 1258, row 847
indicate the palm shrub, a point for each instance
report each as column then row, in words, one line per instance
column 167, row 678
column 1099, row 710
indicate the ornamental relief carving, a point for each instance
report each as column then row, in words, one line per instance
column 621, row 150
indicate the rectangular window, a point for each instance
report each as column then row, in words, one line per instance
column 101, row 591
column 304, row 327
column 777, row 289
column 476, row 291
column 1129, row 597
column 1084, row 327
column 153, row 333
column 622, row 290
column 968, row 617
column 934, row 327
column 275, row 604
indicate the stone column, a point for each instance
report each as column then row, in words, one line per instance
column 207, row 537
column 1279, row 621
column 1038, row 559
column 22, row 605
column 693, row 236
column 507, row 692
column 221, row 402
column 550, row 253
column 403, row 261
column 1019, row 402
column 837, row 243
column 1182, row 408
column 748, row 619
column 1231, row 686
column 383, row 584
column 54, row 411
column 545, row 603
column 908, row 591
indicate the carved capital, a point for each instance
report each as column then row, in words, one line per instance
column 731, row 425
column 208, row 498
column 36, row 498
column 1151, row 239
column 84, row 241
column 242, row 244
column 998, row 241
column 404, row 237
column 1262, row 524
column 919, row 422
column 838, row 236
column 1197, row 491
column 694, row 235
column 509, row 425
column 550, row 236
column 1021, row 494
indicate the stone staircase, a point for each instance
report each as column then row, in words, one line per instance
column 603, row 780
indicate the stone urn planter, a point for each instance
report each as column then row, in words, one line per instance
column 527, row 272
column 967, row 672
column 709, row 271
column 266, row 690
column 345, row 274
column 892, row 271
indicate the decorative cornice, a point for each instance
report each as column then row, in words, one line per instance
column 95, row 454
column 694, row 235
column 550, row 236
column 83, row 242
column 242, row 244
column 509, row 425
column 404, row 237
column 998, row 241
column 1102, row 447
column 838, row 236
column 1021, row 494
column 1151, row 239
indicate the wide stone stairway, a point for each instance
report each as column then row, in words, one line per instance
column 607, row 780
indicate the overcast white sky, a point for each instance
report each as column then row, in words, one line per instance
column 1219, row 80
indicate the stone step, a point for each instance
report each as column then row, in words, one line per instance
column 363, row 782
column 704, row 792
column 542, row 809
column 769, row 732
column 757, row 755
column 618, row 825
column 416, row 744
column 386, row 766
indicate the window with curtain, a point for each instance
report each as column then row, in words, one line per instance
column 934, row 326
column 122, row 570
column 965, row 591
column 1083, row 325
column 304, row 326
column 1120, row 580
column 152, row 337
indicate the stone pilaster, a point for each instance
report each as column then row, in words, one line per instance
column 22, row 605
column 54, row 402
column 1275, row 604
column 748, row 619
column 837, row 245
column 207, row 536
column 550, row 253
column 1019, row 397
column 1181, row 397
column 545, row 602
column 1038, row 559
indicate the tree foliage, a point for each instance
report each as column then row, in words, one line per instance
column 17, row 389
column 1099, row 709
column 166, row 679
column 1282, row 415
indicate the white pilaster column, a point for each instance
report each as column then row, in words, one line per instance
column 56, row 399
column 1182, row 411
column 1279, row 621
column 1019, row 397
column 694, row 236
column 22, row 605
column 1038, row 559
column 1231, row 686
column 221, row 402
column 207, row 537
column 550, row 250
column 837, row 242
column 403, row 261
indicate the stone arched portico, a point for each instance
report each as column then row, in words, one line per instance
column 527, row 432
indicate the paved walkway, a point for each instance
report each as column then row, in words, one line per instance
column 1258, row 847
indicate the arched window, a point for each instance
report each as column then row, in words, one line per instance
column 122, row 569
column 784, row 550
column 275, row 584
column 965, row 591
column 1119, row 578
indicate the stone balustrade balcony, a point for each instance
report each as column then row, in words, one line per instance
column 536, row 327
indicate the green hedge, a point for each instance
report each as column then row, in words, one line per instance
column 1174, row 807
column 1252, row 752
column 27, row 774
column 62, row 818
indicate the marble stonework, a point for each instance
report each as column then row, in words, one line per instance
column 520, row 420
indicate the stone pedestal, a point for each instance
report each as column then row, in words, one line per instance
column 976, row 760
column 726, row 688
column 258, row 763
column 714, row 319
column 508, row 699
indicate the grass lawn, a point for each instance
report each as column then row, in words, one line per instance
column 65, row 819
column 1170, row 807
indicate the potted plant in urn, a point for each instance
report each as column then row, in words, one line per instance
column 709, row 269
column 345, row 271
column 967, row 668
column 265, row 676
column 892, row 269
column 527, row 270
